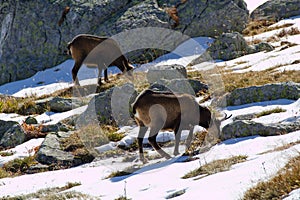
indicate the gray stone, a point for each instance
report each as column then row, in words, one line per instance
column 50, row 152
column 5, row 125
column 14, row 136
column 240, row 96
column 169, row 72
column 276, row 10
column 109, row 107
column 244, row 128
column 59, row 104
column 230, row 46
column 33, row 169
column 210, row 18
column 263, row 46
column 189, row 86
column 54, row 128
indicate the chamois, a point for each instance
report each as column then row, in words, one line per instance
column 168, row 111
column 94, row 51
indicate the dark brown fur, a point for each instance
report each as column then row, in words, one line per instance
column 165, row 110
column 94, row 51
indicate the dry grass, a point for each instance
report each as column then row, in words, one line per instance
column 268, row 112
column 233, row 80
column 17, row 167
column 125, row 172
column 22, row 106
column 33, row 131
column 286, row 180
column 215, row 166
column 197, row 142
column 286, row 32
column 262, row 26
column 241, row 80
column 54, row 193
column 281, row 148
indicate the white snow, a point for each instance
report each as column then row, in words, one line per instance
column 159, row 180
column 252, row 4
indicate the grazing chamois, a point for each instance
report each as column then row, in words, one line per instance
column 169, row 111
column 94, row 51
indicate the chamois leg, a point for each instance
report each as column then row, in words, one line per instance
column 99, row 76
column 106, row 76
column 177, row 132
column 75, row 70
column 153, row 143
column 189, row 138
column 141, row 136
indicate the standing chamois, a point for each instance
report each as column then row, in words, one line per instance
column 169, row 111
column 94, row 51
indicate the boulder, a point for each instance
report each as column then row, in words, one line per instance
column 63, row 150
column 263, row 46
column 14, row 136
column 210, row 18
column 50, row 151
column 189, row 86
column 276, row 10
column 244, row 128
column 31, row 33
column 109, row 107
column 230, row 46
column 5, row 125
column 169, row 72
column 59, row 104
column 240, row 96
column 59, row 127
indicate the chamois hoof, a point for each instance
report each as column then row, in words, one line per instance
column 144, row 160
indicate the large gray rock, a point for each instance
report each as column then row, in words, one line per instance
column 189, row 86
column 230, row 46
column 14, row 136
column 210, row 18
column 51, row 152
column 109, row 107
column 31, row 39
column 5, row 125
column 65, row 149
column 244, row 128
column 59, row 104
column 168, row 72
column 240, row 96
column 276, row 10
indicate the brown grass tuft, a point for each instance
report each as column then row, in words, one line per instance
column 279, row 186
column 261, row 26
column 215, row 166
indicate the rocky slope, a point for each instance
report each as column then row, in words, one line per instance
column 32, row 40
